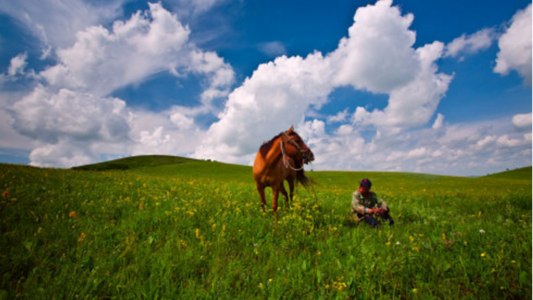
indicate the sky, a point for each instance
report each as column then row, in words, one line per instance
column 439, row 87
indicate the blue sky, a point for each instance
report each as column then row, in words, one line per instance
column 415, row 86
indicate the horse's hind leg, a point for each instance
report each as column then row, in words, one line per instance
column 261, row 191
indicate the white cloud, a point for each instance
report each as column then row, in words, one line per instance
column 17, row 65
column 522, row 120
column 65, row 153
column 10, row 137
column 515, row 46
column 471, row 44
column 377, row 55
column 56, row 22
column 274, row 48
column 339, row 117
column 67, row 127
column 459, row 149
column 220, row 75
column 505, row 141
column 73, row 128
column 171, row 132
column 275, row 97
column 74, row 121
column 414, row 103
column 438, row 121
column 46, row 116
column 102, row 61
column 194, row 7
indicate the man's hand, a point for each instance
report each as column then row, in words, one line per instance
column 380, row 211
column 371, row 211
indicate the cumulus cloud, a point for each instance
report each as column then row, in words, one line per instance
column 438, row 121
column 464, row 148
column 377, row 56
column 71, row 117
column 76, row 119
column 71, row 112
column 194, row 7
column 515, row 47
column 470, row 44
column 339, row 117
column 274, row 48
column 56, row 22
column 414, row 103
column 45, row 116
column 275, row 97
column 65, row 153
column 150, row 42
column 522, row 121
column 172, row 132
column 17, row 65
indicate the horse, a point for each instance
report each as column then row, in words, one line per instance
column 282, row 158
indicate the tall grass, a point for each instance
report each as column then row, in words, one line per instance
column 198, row 232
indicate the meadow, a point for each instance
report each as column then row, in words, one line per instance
column 172, row 228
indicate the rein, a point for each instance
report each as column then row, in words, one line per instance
column 285, row 162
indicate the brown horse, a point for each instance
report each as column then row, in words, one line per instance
column 280, row 159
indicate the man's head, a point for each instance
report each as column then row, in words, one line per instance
column 365, row 185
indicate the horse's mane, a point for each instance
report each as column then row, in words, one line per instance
column 267, row 146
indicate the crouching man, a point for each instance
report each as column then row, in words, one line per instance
column 366, row 205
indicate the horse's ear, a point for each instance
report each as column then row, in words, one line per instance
column 290, row 129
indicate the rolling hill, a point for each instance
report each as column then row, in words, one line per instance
column 175, row 228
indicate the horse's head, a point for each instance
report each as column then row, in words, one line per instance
column 295, row 146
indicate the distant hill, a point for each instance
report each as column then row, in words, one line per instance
column 134, row 162
column 522, row 173
column 174, row 166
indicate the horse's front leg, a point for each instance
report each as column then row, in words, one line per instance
column 291, row 188
column 275, row 191
column 284, row 193
column 261, row 190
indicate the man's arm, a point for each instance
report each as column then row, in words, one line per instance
column 356, row 207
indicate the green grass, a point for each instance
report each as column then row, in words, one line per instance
column 192, row 229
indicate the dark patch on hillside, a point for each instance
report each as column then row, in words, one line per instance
column 134, row 162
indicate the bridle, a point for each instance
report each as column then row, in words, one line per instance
column 295, row 145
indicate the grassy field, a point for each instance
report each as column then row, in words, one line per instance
column 169, row 228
